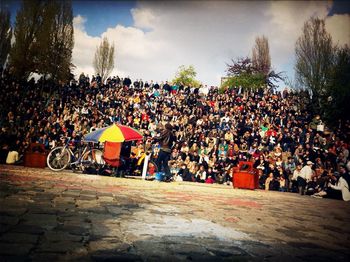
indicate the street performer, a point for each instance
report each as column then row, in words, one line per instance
column 166, row 140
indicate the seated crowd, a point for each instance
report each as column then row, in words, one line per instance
column 214, row 130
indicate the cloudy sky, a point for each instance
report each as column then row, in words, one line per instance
column 153, row 39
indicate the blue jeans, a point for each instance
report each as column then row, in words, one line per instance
column 162, row 162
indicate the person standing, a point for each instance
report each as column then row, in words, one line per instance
column 166, row 140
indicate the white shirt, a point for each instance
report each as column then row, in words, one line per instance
column 12, row 157
column 202, row 174
column 343, row 186
column 93, row 128
column 306, row 173
column 296, row 173
column 178, row 178
column 84, row 111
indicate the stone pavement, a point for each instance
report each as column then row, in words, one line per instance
column 69, row 216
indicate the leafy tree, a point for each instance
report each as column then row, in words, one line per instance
column 104, row 59
column 43, row 39
column 5, row 35
column 261, row 55
column 27, row 25
column 253, row 81
column 186, row 76
column 314, row 58
column 55, row 40
column 336, row 105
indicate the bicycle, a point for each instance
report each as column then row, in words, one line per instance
column 61, row 156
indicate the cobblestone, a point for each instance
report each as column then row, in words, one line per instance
column 18, row 238
column 69, row 216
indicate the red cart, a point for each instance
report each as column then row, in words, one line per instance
column 245, row 176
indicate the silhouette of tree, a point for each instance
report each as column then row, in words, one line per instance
column 43, row 39
column 5, row 34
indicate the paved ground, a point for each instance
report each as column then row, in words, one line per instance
column 67, row 216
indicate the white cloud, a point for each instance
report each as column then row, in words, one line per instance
column 285, row 25
column 338, row 26
column 204, row 34
column 78, row 22
column 84, row 49
column 144, row 18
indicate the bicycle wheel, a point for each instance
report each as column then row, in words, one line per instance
column 58, row 158
column 93, row 157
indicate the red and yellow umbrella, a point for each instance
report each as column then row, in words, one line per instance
column 113, row 133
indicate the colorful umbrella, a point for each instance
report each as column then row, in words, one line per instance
column 113, row 133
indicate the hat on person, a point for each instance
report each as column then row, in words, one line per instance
column 309, row 163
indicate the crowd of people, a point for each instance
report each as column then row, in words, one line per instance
column 194, row 135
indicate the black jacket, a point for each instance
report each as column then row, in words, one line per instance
column 166, row 140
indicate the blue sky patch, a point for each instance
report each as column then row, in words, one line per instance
column 101, row 15
column 340, row 7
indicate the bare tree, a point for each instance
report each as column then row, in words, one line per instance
column 104, row 59
column 261, row 55
column 242, row 65
column 314, row 58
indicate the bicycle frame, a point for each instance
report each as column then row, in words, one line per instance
column 79, row 160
